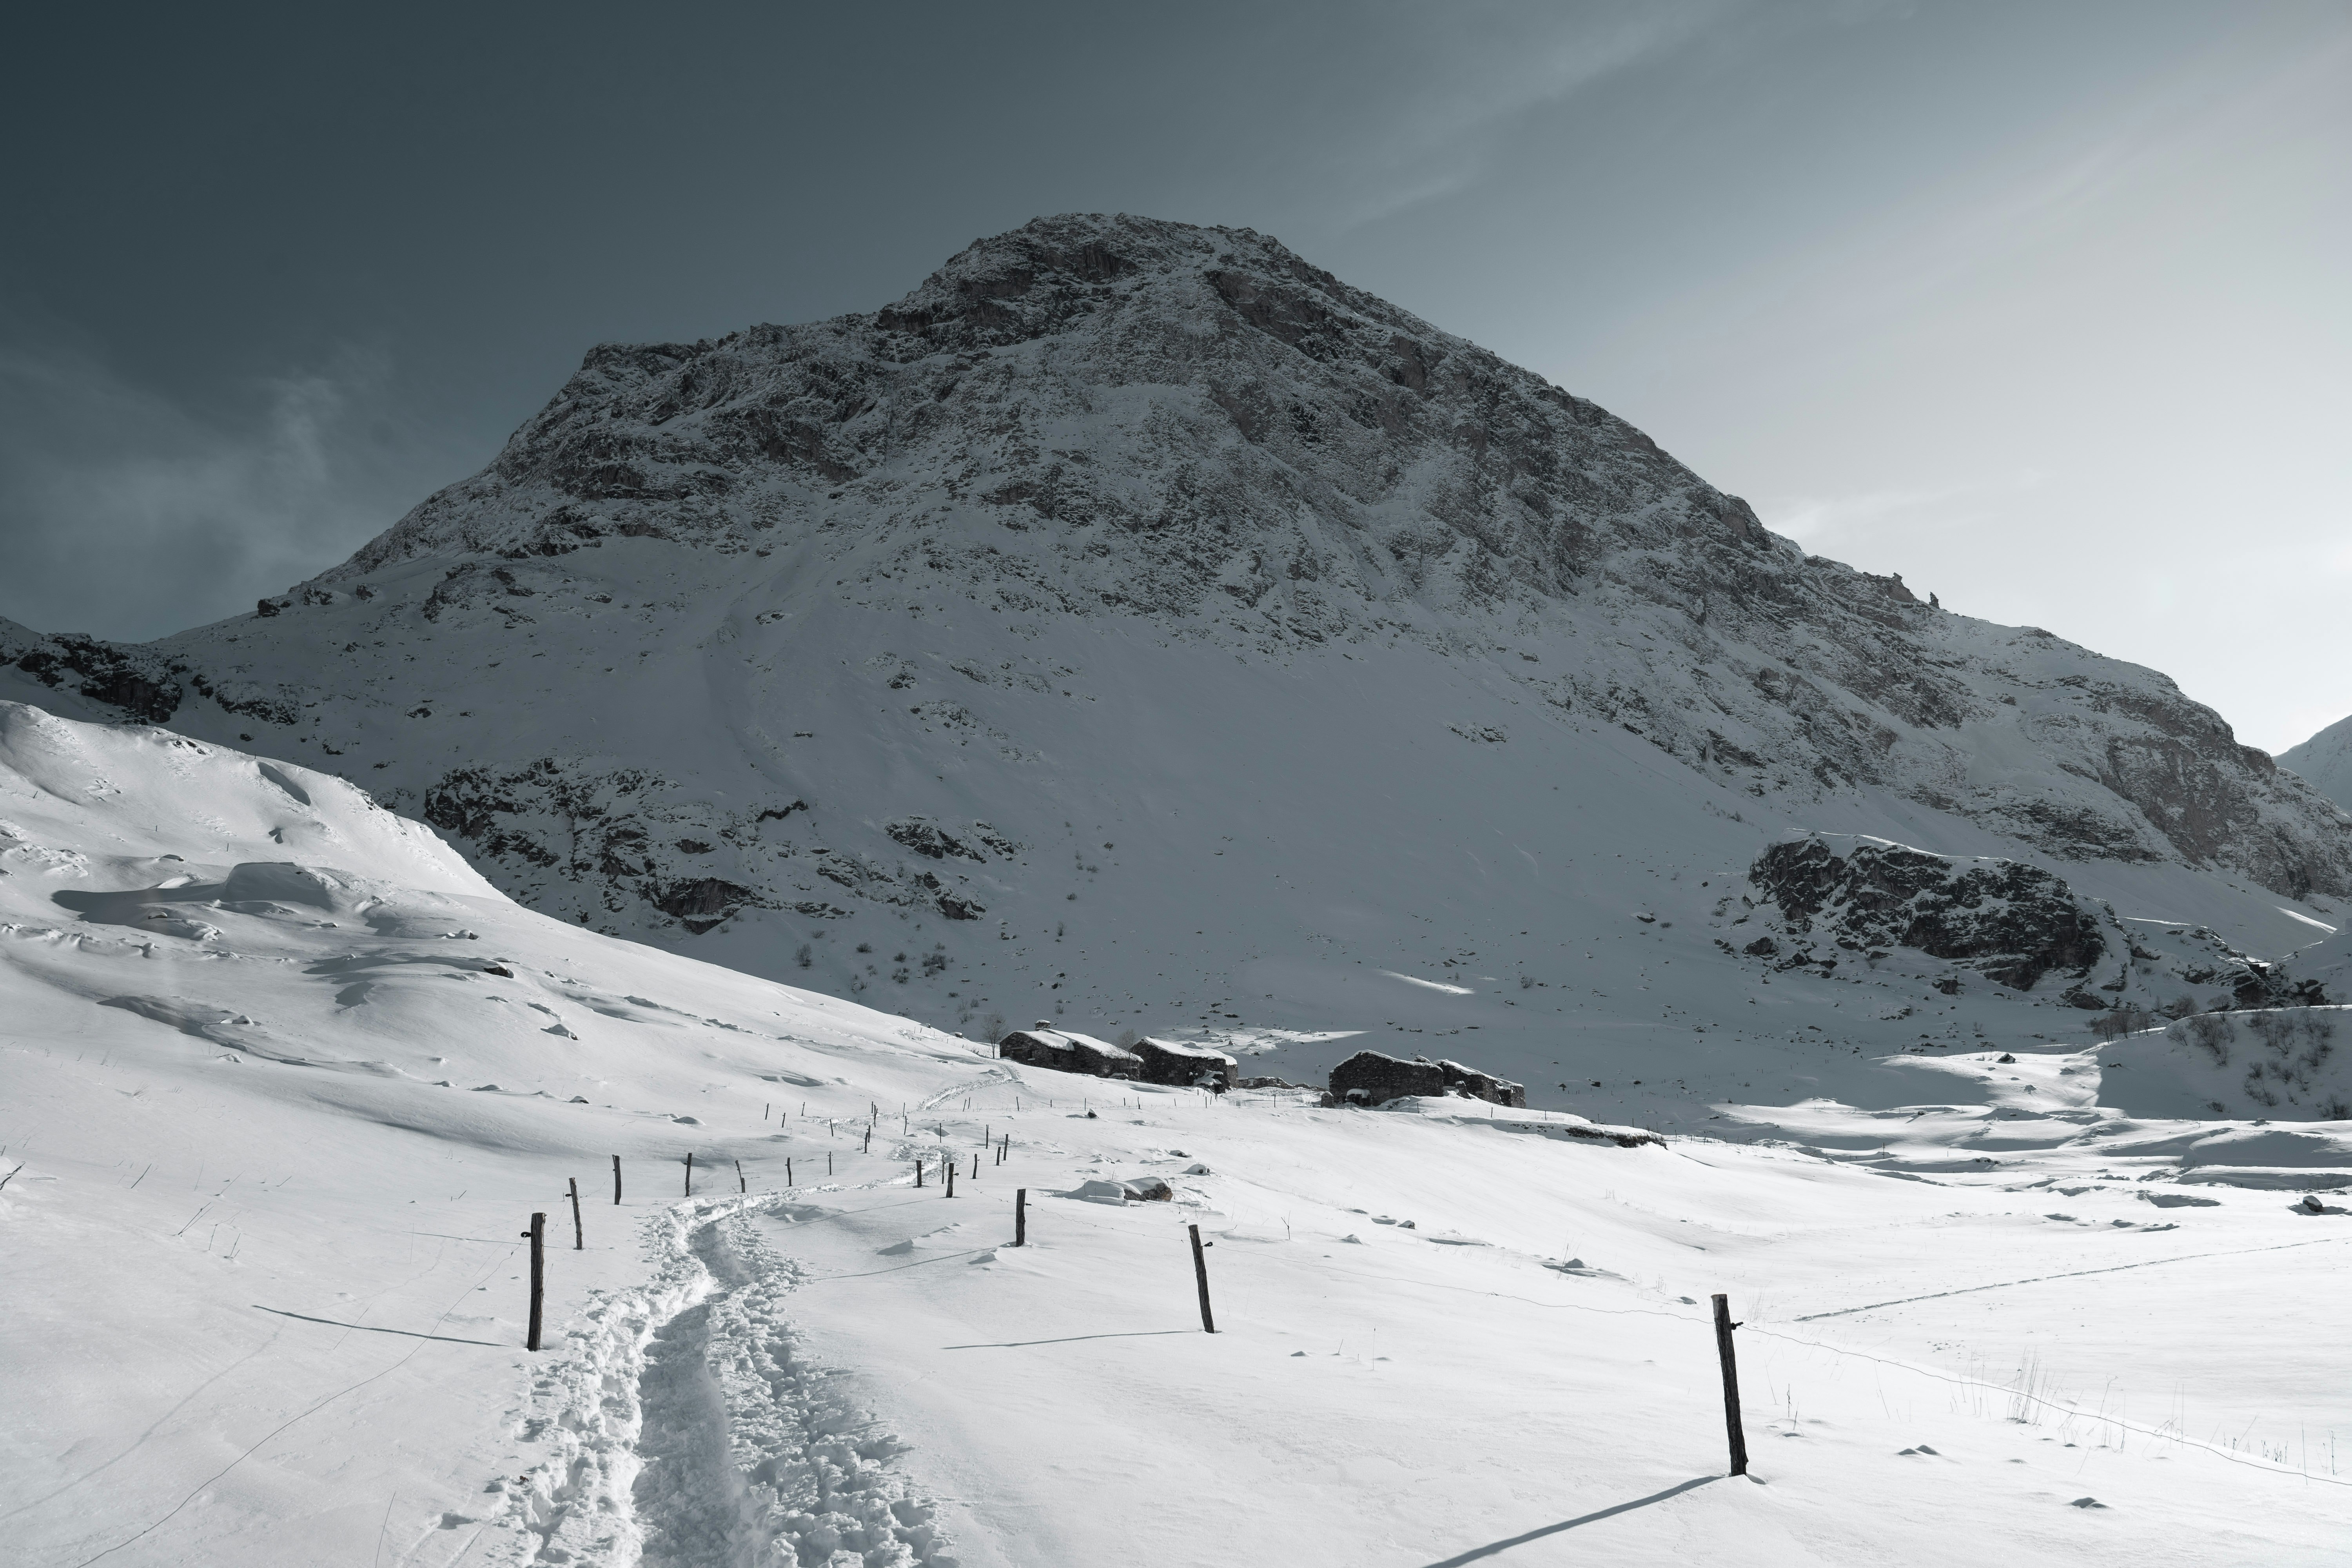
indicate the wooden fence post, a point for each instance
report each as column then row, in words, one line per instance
column 918, row 1172
column 788, row 1172
column 537, row 1233
column 578, row 1237
column 689, row 1174
column 1021, row 1217
column 1723, row 1327
column 951, row 1165
column 1201, row 1276
column 616, row 1179
column 742, row 1183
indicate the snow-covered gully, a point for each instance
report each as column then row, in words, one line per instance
column 687, row 1428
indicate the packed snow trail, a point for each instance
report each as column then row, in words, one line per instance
column 690, row 1429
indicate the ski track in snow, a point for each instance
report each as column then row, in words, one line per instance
column 2070, row 1274
column 688, row 1429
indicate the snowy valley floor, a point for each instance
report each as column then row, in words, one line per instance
column 268, row 1137
column 302, row 1345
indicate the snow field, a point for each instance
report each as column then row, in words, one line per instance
column 265, row 1160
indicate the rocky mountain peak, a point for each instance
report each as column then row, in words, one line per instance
column 1114, row 531
column 1033, row 280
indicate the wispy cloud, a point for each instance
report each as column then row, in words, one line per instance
column 127, row 513
column 1473, row 69
column 1873, row 515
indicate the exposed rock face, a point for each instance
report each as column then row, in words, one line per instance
column 1370, row 1077
column 139, row 683
column 1847, row 898
column 2011, row 921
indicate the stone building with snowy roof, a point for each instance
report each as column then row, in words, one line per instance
column 1065, row 1051
column 1370, row 1078
column 1174, row 1062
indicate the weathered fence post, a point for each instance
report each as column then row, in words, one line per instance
column 1021, row 1217
column 1723, row 1327
column 1201, row 1276
column 578, row 1237
column 742, row 1184
column 537, row 1233
column 616, row 1179
column 788, row 1172
column 951, row 1165
column 689, row 1175
column 918, row 1172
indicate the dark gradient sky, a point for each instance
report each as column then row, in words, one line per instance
column 2043, row 305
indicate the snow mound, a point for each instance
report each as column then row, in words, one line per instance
column 150, row 796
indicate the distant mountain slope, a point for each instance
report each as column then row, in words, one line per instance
column 2324, row 762
column 1142, row 616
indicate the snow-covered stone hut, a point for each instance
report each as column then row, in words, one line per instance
column 1476, row 1085
column 1368, row 1078
column 1173, row 1061
column 1046, row 1047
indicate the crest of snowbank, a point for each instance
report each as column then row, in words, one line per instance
column 1558, row 1124
column 126, row 795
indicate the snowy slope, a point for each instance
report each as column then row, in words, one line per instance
column 2324, row 762
column 279, row 1081
column 1138, row 626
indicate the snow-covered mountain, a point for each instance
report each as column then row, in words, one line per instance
column 1137, row 624
column 2324, row 762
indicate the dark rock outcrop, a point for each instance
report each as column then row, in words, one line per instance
column 138, row 682
column 2011, row 922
